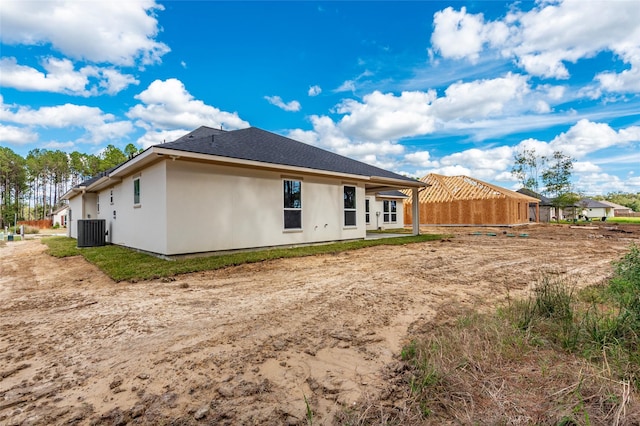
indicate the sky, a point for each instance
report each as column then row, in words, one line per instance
column 415, row 87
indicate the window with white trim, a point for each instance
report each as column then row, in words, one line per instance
column 136, row 191
column 367, row 216
column 350, row 206
column 292, row 191
column 389, row 209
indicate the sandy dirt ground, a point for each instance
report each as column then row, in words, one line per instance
column 248, row 344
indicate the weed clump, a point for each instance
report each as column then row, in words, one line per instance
column 560, row 356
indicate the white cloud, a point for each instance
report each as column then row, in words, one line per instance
column 347, row 86
column 420, row 159
column 480, row 98
column 585, row 167
column 627, row 81
column 167, row 105
column 59, row 145
column 16, row 135
column 603, row 183
column 484, row 163
column 98, row 125
column 586, row 137
column 277, row 101
column 120, row 33
column 314, row 90
column 545, row 38
column 384, row 116
column 61, row 77
column 157, row 137
column 460, row 35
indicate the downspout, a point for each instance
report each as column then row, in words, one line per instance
column 416, row 211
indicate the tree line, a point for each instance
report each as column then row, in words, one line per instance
column 31, row 186
column 550, row 175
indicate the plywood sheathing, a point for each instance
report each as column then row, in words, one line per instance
column 462, row 200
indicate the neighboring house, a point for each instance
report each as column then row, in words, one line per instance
column 59, row 216
column 593, row 209
column 544, row 211
column 385, row 210
column 617, row 208
column 215, row 190
column 462, row 200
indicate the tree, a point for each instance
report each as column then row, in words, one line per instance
column 131, row 151
column 111, row 157
column 526, row 168
column 13, row 184
column 557, row 175
column 557, row 182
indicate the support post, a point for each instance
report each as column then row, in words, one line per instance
column 415, row 214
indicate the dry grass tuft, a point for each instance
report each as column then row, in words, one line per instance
column 482, row 370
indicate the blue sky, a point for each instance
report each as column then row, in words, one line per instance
column 455, row 88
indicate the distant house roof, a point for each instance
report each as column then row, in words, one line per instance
column 451, row 188
column 588, row 203
column 266, row 147
column 391, row 194
column 616, row 206
column 544, row 201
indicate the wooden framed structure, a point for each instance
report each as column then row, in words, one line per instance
column 462, row 200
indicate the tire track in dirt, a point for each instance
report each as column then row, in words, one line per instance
column 248, row 344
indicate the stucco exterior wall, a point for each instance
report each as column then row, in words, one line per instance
column 213, row 207
column 144, row 225
column 60, row 217
column 73, row 214
column 376, row 205
column 598, row 212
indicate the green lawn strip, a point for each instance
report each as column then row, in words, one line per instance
column 625, row 220
column 123, row 264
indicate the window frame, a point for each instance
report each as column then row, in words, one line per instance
column 389, row 211
column 137, row 194
column 287, row 208
column 349, row 212
column 367, row 211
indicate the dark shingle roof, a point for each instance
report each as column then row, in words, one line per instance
column 592, row 204
column 392, row 194
column 544, row 201
column 259, row 145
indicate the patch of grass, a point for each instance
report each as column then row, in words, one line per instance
column 560, row 356
column 123, row 264
column 631, row 220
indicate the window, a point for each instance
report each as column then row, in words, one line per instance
column 366, row 211
column 349, row 206
column 136, row 191
column 390, row 209
column 292, row 204
column 98, row 204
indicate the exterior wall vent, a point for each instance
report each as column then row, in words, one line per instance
column 91, row 232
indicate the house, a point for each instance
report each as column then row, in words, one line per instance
column 215, row 190
column 617, row 208
column 545, row 209
column 462, row 200
column 59, row 216
column 592, row 209
column 385, row 210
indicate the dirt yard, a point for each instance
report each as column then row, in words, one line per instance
column 248, row 344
